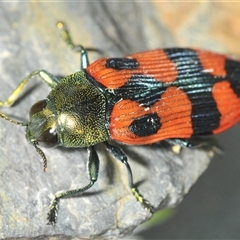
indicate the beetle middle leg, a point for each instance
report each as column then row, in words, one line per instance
column 119, row 155
column 93, row 169
column 84, row 61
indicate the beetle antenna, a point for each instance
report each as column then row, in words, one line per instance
column 42, row 154
column 39, row 151
column 2, row 115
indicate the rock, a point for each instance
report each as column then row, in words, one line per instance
column 30, row 41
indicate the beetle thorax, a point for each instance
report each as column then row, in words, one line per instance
column 80, row 112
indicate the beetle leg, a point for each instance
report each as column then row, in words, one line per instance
column 65, row 35
column 68, row 40
column 119, row 155
column 209, row 143
column 84, row 58
column 93, row 168
column 44, row 75
column 179, row 143
column 186, row 143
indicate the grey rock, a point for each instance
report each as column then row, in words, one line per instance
column 29, row 41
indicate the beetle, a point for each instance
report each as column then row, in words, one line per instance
column 172, row 94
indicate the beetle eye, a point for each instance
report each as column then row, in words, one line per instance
column 37, row 107
column 49, row 138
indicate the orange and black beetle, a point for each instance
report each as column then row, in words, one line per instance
column 166, row 94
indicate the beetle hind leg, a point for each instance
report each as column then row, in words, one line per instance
column 205, row 143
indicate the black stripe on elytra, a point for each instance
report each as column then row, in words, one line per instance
column 145, row 125
column 197, row 84
column 192, row 79
column 122, row 63
column 143, row 89
column 233, row 75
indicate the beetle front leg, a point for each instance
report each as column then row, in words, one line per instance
column 119, row 155
column 93, row 169
column 44, row 75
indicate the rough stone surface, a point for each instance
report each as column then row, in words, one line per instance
column 29, row 41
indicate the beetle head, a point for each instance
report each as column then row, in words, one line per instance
column 41, row 128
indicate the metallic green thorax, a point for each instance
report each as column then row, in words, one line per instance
column 76, row 109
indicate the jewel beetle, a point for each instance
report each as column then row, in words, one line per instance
column 171, row 94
